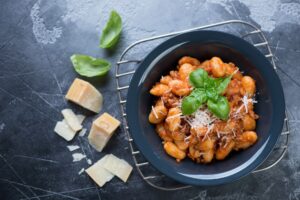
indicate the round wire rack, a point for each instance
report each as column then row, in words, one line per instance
column 134, row 54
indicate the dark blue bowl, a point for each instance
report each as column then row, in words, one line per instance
column 204, row 45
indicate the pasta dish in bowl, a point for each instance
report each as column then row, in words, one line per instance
column 187, row 126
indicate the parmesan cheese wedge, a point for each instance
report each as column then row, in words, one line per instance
column 71, row 119
column 118, row 167
column 85, row 95
column 64, row 130
column 102, row 130
column 98, row 173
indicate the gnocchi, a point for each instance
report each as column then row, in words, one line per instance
column 173, row 119
column 157, row 114
column 185, row 70
column 159, row 89
column 179, row 88
column 248, row 85
column 190, row 60
column 217, row 67
column 174, row 151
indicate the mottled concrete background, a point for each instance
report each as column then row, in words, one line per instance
column 37, row 38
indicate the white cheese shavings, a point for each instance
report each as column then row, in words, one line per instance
column 187, row 139
column 201, row 118
column 78, row 157
column 118, row 167
column 73, row 147
column 245, row 101
column 210, row 127
column 98, row 173
column 63, row 130
column 154, row 112
column 71, row 119
column 81, row 171
column 82, row 132
column 235, row 71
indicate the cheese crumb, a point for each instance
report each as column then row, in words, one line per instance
column 81, row 171
column 78, row 157
column 89, row 161
column 82, row 132
column 73, row 147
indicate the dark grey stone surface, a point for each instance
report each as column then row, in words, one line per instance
column 37, row 37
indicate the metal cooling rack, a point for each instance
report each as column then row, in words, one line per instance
column 123, row 76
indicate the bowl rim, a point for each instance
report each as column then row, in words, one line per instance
column 213, row 37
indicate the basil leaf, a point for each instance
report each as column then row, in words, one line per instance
column 198, row 78
column 89, row 66
column 212, row 94
column 112, row 31
column 222, row 84
column 199, row 94
column 220, row 108
column 210, row 83
column 189, row 105
column 192, row 102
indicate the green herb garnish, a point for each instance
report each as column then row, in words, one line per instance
column 207, row 90
column 112, row 31
column 89, row 66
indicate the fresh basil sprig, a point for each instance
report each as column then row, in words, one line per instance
column 112, row 31
column 207, row 90
column 89, row 66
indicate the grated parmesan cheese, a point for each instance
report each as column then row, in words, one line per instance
column 187, row 139
column 210, row 127
column 245, row 101
column 202, row 118
column 154, row 112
